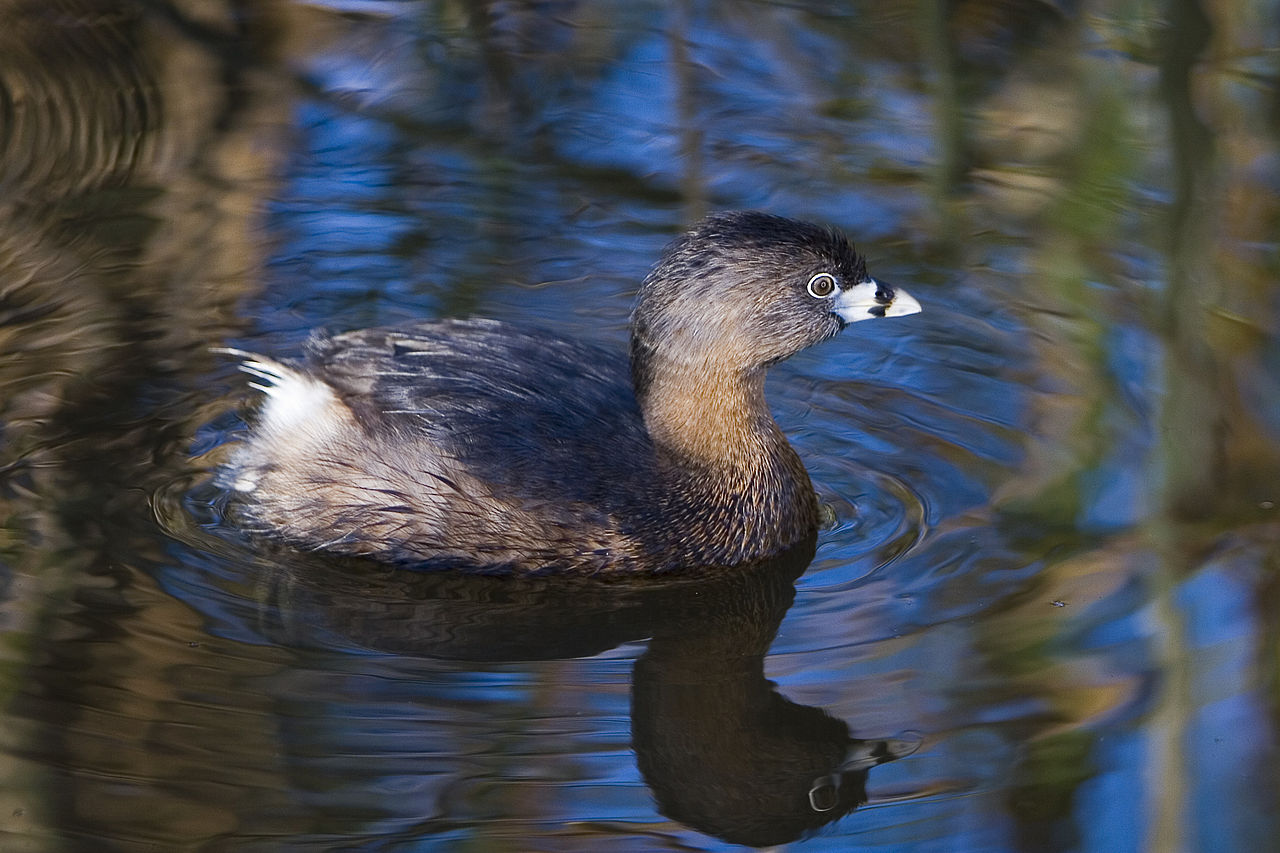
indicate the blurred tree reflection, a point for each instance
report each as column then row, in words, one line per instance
column 1155, row 430
column 132, row 162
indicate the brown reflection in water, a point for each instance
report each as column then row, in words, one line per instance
column 133, row 150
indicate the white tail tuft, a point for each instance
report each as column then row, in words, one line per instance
column 296, row 403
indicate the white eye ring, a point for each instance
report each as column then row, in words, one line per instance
column 822, row 285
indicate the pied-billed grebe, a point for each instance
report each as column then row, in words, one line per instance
column 477, row 444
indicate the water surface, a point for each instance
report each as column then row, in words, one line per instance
column 1043, row 615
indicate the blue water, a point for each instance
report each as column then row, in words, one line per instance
column 1045, row 598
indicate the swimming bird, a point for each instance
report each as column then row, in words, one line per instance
column 483, row 445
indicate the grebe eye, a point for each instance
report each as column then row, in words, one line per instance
column 822, row 285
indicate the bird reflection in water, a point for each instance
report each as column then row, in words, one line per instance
column 722, row 751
